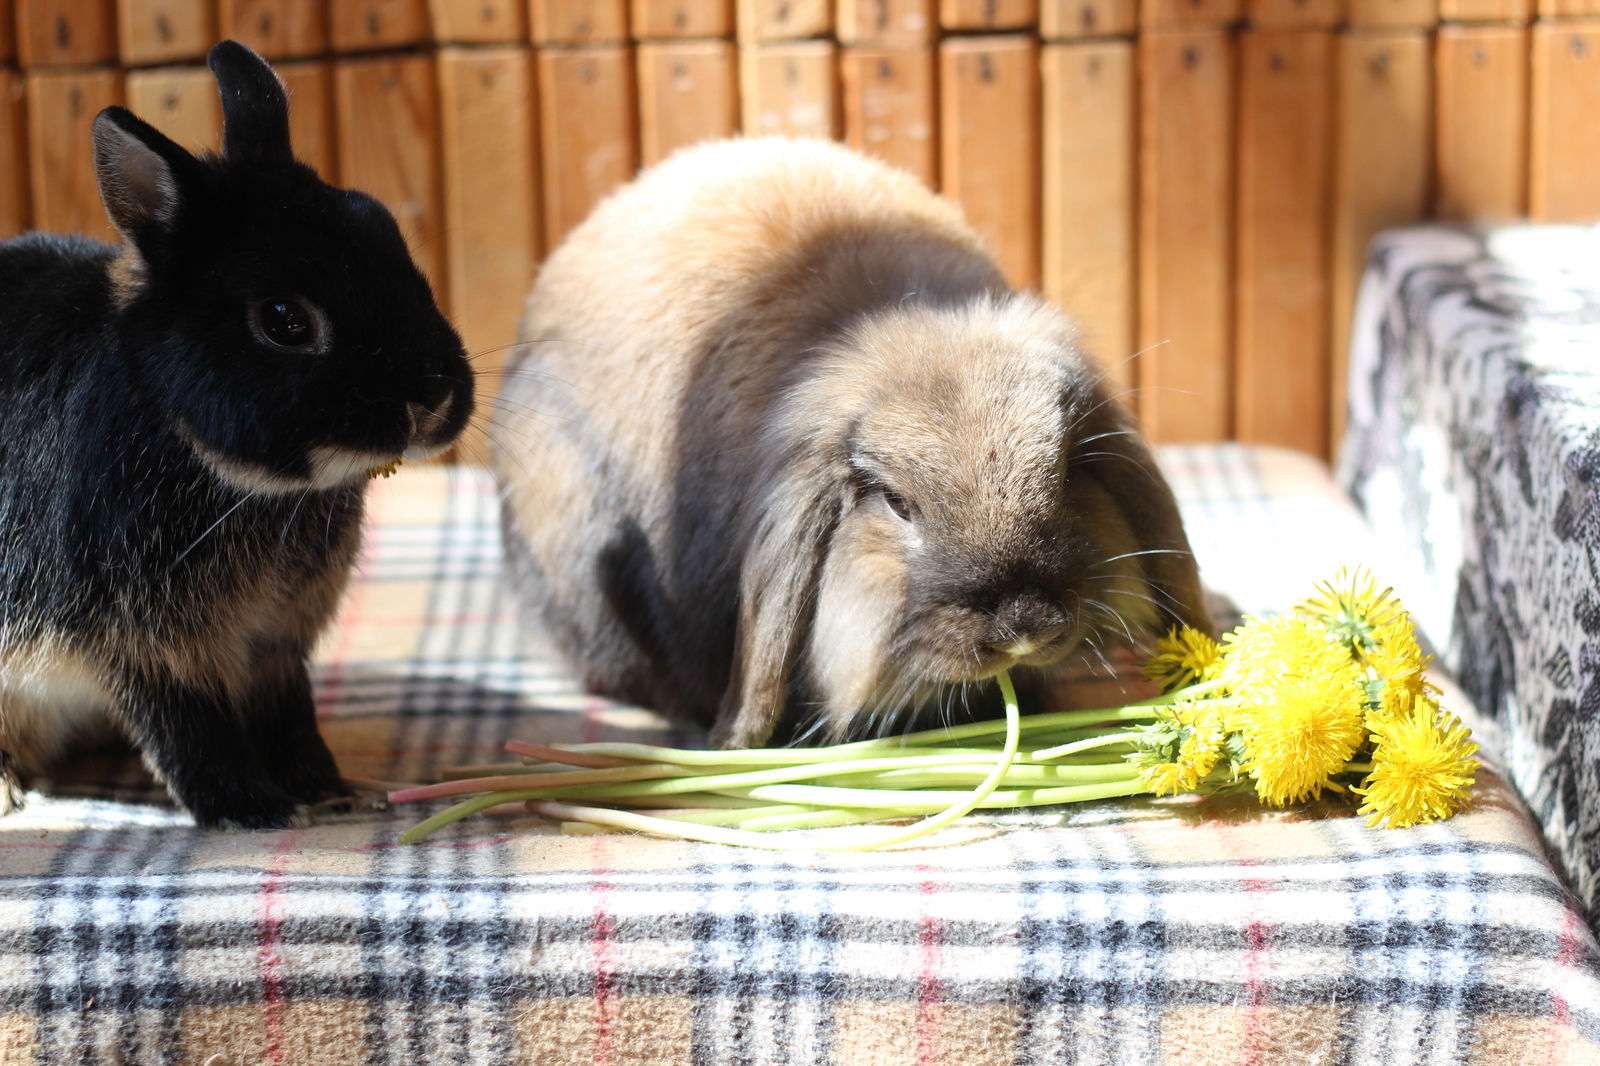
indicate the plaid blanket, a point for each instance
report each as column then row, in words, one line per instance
column 1179, row 930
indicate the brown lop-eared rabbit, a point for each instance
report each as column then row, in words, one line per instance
column 783, row 453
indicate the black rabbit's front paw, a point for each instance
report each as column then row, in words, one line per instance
column 260, row 808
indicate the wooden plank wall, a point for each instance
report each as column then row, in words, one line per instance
column 1196, row 181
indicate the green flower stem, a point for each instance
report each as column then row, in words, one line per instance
column 644, row 771
column 1085, row 745
column 735, row 817
column 821, row 796
column 1016, row 777
column 822, row 819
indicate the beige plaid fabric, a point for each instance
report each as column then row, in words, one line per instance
column 1181, row 930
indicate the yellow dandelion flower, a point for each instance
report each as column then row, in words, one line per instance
column 1301, row 735
column 1396, row 657
column 1352, row 608
column 1181, row 658
column 1164, row 779
column 1203, row 735
column 1260, row 653
column 1423, row 769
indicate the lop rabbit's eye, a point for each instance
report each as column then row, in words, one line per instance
column 289, row 324
column 898, row 504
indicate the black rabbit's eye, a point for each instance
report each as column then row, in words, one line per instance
column 898, row 504
column 291, row 324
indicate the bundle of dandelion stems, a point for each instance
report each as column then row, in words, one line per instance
column 1331, row 697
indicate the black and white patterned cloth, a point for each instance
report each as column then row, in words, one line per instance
column 1474, row 449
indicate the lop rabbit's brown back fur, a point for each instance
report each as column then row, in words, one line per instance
column 739, row 374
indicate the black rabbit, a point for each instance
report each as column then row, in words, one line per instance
column 190, row 422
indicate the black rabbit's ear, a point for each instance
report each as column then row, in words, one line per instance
column 138, row 169
column 255, row 109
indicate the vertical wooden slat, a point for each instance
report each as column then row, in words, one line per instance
column 14, row 204
column 161, row 31
column 1517, row 11
column 1564, row 156
column 782, row 20
column 1285, row 126
column 989, row 144
column 369, row 25
column 52, row 33
column 388, row 122
column 181, row 102
column 311, row 127
column 1090, row 148
column 1557, row 9
column 688, row 92
column 988, row 15
column 479, row 21
column 1391, row 14
column 1482, row 133
column 889, row 107
column 885, row 24
column 278, row 29
column 1188, row 14
column 587, row 131
column 578, row 21
column 1381, row 167
column 1293, row 14
column 1186, row 235
column 671, row 19
column 491, row 208
column 789, row 89
column 61, row 110
column 8, row 31
column 1066, row 19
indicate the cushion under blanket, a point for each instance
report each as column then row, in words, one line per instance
column 1474, row 448
column 1151, row 931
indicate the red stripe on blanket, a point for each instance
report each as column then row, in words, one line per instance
column 1571, row 944
column 601, row 929
column 930, row 987
column 267, row 923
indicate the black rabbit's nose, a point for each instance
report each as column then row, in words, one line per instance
column 1028, row 622
column 424, row 423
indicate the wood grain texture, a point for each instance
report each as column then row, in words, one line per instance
column 1061, row 20
column 371, row 25
column 1564, row 121
column 688, row 92
column 1188, row 14
column 789, row 90
column 181, row 102
column 479, row 21
column 1391, row 14
column 989, row 145
column 14, row 202
column 161, row 31
column 388, row 123
column 1559, row 9
column 1186, row 235
column 1282, row 273
column 653, row 20
column 1382, row 157
column 1293, row 14
column 8, row 31
column 889, row 107
column 491, row 205
column 1090, row 113
column 61, row 110
column 58, row 33
column 782, row 20
column 278, row 29
column 988, row 16
column 1481, row 148
column 587, row 131
column 578, row 21
column 1513, row 11
column 311, row 125
column 892, row 24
